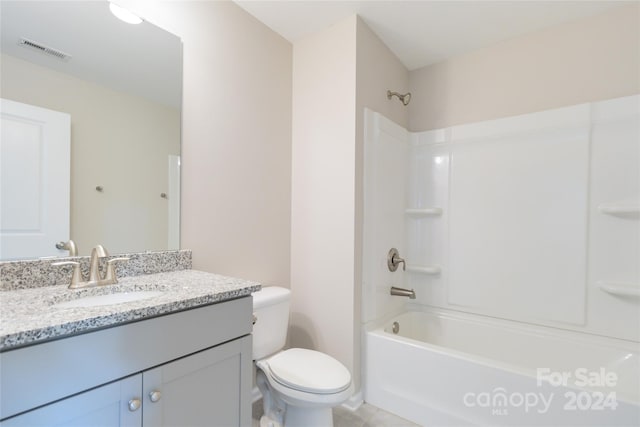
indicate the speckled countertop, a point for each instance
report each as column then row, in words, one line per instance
column 30, row 316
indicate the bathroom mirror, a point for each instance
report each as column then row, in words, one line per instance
column 121, row 85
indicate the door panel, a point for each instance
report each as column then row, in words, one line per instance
column 34, row 180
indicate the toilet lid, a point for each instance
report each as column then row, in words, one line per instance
column 310, row 371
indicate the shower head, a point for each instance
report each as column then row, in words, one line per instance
column 405, row 99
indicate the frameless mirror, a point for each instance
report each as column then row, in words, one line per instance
column 120, row 85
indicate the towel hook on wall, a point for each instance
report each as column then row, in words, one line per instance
column 405, row 99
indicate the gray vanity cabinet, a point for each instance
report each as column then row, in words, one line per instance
column 200, row 390
column 191, row 368
column 102, row 406
column 204, row 389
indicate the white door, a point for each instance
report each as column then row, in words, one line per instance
column 34, row 180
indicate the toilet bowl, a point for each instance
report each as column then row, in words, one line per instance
column 299, row 386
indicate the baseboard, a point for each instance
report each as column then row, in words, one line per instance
column 354, row 402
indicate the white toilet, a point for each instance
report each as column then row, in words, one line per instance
column 299, row 387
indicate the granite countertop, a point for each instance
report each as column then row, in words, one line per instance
column 29, row 316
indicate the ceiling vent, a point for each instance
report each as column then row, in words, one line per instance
column 44, row 49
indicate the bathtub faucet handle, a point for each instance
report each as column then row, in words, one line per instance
column 393, row 259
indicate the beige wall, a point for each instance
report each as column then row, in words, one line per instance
column 118, row 141
column 586, row 60
column 323, row 185
column 377, row 70
column 336, row 74
column 236, row 146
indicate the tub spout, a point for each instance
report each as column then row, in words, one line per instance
column 401, row 292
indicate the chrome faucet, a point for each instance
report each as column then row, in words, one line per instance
column 402, row 292
column 109, row 277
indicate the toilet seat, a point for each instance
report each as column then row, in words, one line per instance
column 309, row 371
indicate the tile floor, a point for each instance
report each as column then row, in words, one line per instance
column 365, row 416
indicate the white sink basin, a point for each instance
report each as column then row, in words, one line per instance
column 109, row 299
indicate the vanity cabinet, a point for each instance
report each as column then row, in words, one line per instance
column 102, row 406
column 199, row 390
column 203, row 389
column 107, row 378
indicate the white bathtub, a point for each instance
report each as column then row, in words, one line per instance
column 444, row 368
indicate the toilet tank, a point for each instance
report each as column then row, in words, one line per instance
column 271, row 308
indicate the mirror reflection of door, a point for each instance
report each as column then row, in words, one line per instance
column 34, row 180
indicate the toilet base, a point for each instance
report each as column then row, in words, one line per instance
column 308, row 417
column 301, row 417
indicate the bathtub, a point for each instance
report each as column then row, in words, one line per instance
column 447, row 368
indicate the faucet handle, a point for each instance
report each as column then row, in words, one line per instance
column 76, row 277
column 393, row 259
column 110, row 276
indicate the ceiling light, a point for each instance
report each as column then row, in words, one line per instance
column 124, row 15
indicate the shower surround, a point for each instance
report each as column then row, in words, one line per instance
column 531, row 219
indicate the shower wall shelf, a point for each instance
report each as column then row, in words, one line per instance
column 619, row 289
column 627, row 210
column 424, row 212
column 423, row 269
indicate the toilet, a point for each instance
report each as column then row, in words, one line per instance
column 299, row 386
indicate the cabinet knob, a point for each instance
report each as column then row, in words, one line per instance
column 155, row 395
column 134, row 404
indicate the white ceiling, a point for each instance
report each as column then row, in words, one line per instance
column 424, row 32
column 139, row 59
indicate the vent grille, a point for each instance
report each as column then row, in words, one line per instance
column 44, row 49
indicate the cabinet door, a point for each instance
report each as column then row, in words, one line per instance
column 106, row 406
column 208, row 388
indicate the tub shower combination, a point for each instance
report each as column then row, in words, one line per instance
column 518, row 239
